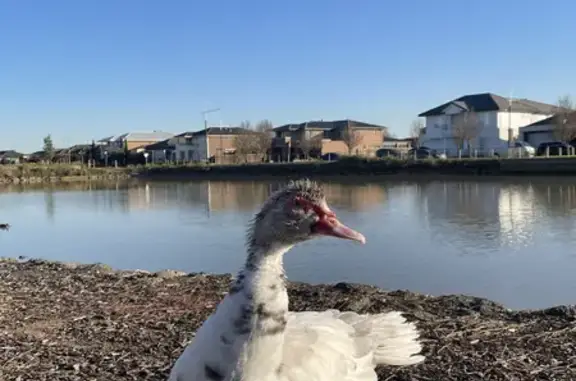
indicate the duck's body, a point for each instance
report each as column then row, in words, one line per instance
column 252, row 337
column 5, row 227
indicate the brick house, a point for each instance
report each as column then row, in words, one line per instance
column 321, row 137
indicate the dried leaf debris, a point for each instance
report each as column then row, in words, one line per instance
column 66, row 322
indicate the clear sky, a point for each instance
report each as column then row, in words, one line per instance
column 87, row 69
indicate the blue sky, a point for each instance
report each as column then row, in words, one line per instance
column 86, row 69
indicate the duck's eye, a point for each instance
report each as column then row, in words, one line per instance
column 308, row 205
column 302, row 203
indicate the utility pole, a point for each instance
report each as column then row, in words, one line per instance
column 510, row 131
column 204, row 113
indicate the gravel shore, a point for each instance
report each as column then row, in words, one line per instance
column 64, row 322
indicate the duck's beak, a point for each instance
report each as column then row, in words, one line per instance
column 331, row 226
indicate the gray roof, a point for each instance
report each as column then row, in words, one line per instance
column 139, row 136
column 328, row 125
column 10, row 154
column 106, row 139
column 146, row 136
column 492, row 102
column 216, row 131
column 549, row 120
column 159, row 146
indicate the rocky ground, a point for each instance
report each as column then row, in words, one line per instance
column 63, row 322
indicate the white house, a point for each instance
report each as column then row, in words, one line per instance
column 499, row 120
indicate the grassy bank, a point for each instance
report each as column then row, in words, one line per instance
column 370, row 167
column 63, row 322
column 41, row 173
column 38, row 173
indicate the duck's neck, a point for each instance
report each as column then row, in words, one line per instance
column 261, row 287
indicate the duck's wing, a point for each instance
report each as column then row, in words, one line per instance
column 334, row 345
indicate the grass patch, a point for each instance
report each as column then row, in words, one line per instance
column 44, row 172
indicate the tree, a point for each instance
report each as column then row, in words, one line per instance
column 126, row 153
column 263, row 138
column 564, row 121
column 245, row 142
column 465, row 128
column 416, row 130
column 92, row 151
column 310, row 144
column 48, row 148
column 351, row 138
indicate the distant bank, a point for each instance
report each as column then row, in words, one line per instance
column 369, row 167
column 34, row 173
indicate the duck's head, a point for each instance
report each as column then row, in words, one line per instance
column 296, row 213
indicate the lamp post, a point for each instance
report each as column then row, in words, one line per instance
column 204, row 113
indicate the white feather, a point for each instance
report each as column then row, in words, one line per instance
column 323, row 346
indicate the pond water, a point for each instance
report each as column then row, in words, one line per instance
column 508, row 240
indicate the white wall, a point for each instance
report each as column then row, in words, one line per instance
column 439, row 131
column 200, row 148
column 192, row 149
column 517, row 120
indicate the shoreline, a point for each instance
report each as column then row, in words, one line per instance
column 355, row 166
column 346, row 167
column 58, row 173
column 93, row 322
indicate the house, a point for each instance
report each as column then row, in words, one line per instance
column 397, row 144
column 546, row 130
column 213, row 144
column 10, row 157
column 160, row 152
column 319, row 137
column 130, row 141
column 496, row 122
column 74, row 154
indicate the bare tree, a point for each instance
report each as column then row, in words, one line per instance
column 263, row 138
column 309, row 144
column 416, row 130
column 244, row 142
column 351, row 138
column 564, row 120
column 465, row 128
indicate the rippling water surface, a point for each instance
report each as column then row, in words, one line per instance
column 509, row 240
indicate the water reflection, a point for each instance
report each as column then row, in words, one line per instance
column 492, row 214
column 210, row 196
column 487, row 237
column 50, row 206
